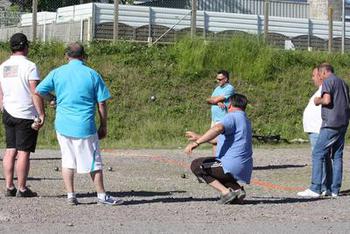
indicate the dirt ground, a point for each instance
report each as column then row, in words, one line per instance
column 159, row 200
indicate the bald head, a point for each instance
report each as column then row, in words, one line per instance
column 75, row 50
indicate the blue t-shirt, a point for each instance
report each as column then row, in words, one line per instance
column 234, row 148
column 227, row 91
column 336, row 114
column 78, row 89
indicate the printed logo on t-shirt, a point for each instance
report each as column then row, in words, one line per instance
column 10, row 71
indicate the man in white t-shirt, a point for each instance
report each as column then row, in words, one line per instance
column 18, row 80
column 312, row 122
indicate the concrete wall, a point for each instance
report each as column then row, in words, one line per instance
column 66, row 32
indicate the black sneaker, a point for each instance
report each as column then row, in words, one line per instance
column 10, row 192
column 226, row 199
column 26, row 193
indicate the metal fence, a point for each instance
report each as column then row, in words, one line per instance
column 95, row 21
column 8, row 18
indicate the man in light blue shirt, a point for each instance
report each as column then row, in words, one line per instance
column 233, row 162
column 79, row 89
column 219, row 99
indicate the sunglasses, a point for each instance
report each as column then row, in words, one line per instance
column 220, row 79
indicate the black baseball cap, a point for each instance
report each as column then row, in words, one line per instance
column 18, row 42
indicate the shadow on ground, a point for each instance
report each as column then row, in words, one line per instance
column 270, row 167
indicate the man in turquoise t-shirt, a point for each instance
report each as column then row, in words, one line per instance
column 79, row 89
column 219, row 99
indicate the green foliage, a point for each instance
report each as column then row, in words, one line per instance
column 181, row 76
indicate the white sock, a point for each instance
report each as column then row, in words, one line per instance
column 70, row 195
column 101, row 196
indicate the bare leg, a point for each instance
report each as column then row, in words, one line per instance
column 97, row 178
column 68, row 178
column 219, row 187
column 22, row 169
column 8, row 163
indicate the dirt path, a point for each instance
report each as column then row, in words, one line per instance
column 159, row 200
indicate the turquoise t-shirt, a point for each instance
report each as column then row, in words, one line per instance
column 234, row 148
column 227, row 91
column 78, row 89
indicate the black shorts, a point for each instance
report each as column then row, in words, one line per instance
column 19, row 133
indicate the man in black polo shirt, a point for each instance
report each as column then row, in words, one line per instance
column 335, row 114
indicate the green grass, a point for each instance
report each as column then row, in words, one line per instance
column 181, row 76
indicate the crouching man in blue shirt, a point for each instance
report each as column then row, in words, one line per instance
column 233, row 162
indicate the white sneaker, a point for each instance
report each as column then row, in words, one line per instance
column 334, row 195
column 326, row 193
column 308, row 193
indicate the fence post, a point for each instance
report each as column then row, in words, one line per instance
column 266, row 19
column 309, row 48
column 205, row 25
column 193, row 18
column 44, row 29
column 116, row 20
column 150, row 21
column 93, row 22
column 34, row 19
column 330, row 29
column 343, row 28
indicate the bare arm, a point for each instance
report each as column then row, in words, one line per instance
column 1, row 98
column 214, row 100
column 38, row 102
column 192, row 136
column 325, row 100
column 212, row 133
column 102, row 111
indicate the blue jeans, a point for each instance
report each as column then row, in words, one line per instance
column 329, row 140
column 326, row 166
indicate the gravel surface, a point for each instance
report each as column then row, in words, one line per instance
column 162, row 196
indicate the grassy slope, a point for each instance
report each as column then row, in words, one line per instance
column 181, row 76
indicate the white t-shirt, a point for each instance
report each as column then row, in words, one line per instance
column 15, row 74
column 312, row 115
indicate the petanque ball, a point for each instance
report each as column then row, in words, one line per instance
column 56, row 168
column 183, row 175
column 153, row 98
column 110, row 168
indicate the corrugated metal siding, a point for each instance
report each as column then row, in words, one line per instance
column 295, row 9
column 42, row 17
column 216, row 22
column 137, row 16
column 75, row 13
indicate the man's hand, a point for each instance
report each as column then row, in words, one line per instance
column 191, row 146
column 192, row 136
column 221, row 105
column 317, row 101
column 102, row 132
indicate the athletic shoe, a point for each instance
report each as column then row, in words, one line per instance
column 10, row 192
column 308, row 193
column 26, row 193
column 112, row 201
column 73, row 201
column 241, row 194
column 326, row 193
column 227, row 198
column 334, row 195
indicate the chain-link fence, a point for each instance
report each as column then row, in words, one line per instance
column 9, row 18
column 79, row 20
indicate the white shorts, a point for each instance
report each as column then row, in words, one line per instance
column 82, row 154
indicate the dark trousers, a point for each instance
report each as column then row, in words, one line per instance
column 209, row 169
